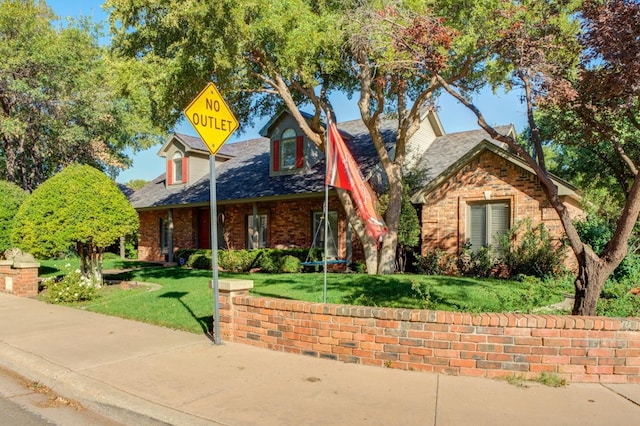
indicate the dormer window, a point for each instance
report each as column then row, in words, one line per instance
column 288, row 152
column 177, row 169
column 288, row 149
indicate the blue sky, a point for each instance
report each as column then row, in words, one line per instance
column 498, row 109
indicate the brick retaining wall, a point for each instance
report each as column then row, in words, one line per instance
column 580, row 349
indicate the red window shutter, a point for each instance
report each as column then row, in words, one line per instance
column 185, row 173
column 169, row 172
column 299, row 152
column 275, row 154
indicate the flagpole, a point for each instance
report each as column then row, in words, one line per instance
column 326, row 212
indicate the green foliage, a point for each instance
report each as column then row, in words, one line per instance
column 181, row 256
column 136, row 184
column 476, row 263
column 617, row 299
column 72, row 288
column 11, row 199
column 531, row 251
column 524, row 251
column 78, row 209
column 432, row 263
column 548, row 379
column 199, row 261
column 243, row 41
column 65, row 99
column 264, row 260
column 358, row 267
column 238, row 260
column 290, row 264
column 422, row 293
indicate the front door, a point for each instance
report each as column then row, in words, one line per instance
column 204, row 228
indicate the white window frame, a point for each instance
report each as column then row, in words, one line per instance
column 178, row 171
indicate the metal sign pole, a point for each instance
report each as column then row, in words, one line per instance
column 213, row 120
column 214, row 249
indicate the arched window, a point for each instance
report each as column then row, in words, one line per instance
column 288, row 149
column 177, row 168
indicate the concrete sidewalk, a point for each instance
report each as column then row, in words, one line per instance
column 141, row 374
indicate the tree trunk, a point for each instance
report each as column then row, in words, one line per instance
column 370, row 257
column 369, row 245
column 592, row 274
column 387, row 262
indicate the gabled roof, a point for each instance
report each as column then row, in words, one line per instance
column 448, row 149
column 245, row 175
column 266, row 129
column 191, row 144
column 438, row 173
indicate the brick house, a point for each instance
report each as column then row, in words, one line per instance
column 270, row 190
column 476, row 189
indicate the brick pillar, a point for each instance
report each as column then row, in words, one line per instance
column 227, row 290
column 6, row 275
column 21, row 279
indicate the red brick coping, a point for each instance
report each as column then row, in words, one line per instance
column 579, row 349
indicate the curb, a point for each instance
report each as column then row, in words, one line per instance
column 93, row 394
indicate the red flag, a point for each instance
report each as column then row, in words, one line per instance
column 343, row 172
column 338, row 167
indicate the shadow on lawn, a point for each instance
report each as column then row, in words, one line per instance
column 206, row 322
column 407, row 293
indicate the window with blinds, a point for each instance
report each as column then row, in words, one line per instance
column 486, row 222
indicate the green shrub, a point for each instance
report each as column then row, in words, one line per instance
column 266, row 260
column 432, row 263
column 529, row 250
column 480, row 263
column 200, row 261
column 290, row 264
column 616, row 300
column 237, row 260
column 358, row 267
column 182, row 256
column 73, row 287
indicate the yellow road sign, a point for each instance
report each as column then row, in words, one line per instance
column 211, row 117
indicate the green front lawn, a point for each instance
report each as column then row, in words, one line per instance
column 185, row 301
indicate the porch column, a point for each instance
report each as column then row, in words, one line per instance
column 170, row 237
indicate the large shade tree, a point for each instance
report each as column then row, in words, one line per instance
column 77, row 210
column 579, row 60
column 63, row 98
column 293, row 54
column 11, row 199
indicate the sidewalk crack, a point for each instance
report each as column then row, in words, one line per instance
column 634, row 402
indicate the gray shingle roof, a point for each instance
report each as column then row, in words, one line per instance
column 245, row 176
column 196, row 143
column 448, row 149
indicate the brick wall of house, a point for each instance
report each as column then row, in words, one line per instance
column 185, row 233
column 580, row 349
column 149, row 234
column 289, row 225
column 487, row 177
column 185, row 228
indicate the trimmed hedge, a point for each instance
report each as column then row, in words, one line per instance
column 264, row 260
